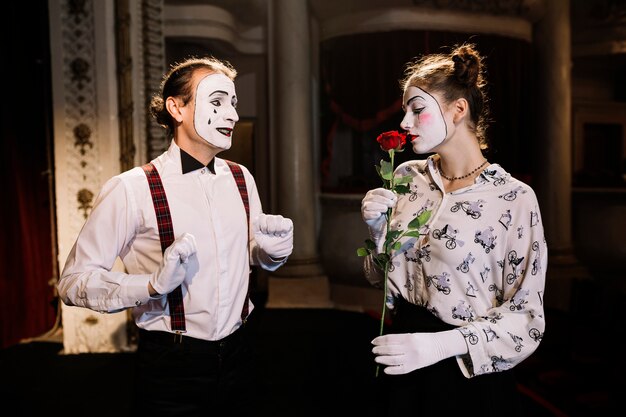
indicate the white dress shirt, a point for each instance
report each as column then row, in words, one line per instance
column 123, row 224
column 481, row 264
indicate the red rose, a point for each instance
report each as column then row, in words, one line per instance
column 391, row 140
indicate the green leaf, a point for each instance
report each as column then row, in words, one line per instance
column 401, row 189
column 413, row 233
column 424, row 216
column 415, row 223
column 386, row 170
column 369, row 244
column 420, row 220
column 396, row 245
column 362, row 252
column 383, row 258
column 393, row 234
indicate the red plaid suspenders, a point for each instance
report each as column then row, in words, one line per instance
column 240, row 180
column 166, row 235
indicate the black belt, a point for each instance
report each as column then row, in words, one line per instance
column 192, row 343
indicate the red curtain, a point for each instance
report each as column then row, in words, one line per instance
column 27, row 256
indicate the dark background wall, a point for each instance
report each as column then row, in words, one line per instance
column 27, row 247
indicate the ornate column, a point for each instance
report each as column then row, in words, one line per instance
column 151, row 52
column 86, row 146
column 553, row 45
column 301, row 282
column 99, row 118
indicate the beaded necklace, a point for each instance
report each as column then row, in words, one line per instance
column 462, row 176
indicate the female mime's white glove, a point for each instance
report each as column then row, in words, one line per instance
column 373, row 207
column 406, row 352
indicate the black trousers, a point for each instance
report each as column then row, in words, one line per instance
column 193, row 377
column 441, row 389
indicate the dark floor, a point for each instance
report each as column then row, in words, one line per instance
column 318, row 363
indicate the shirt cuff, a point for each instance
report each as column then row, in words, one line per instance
column 136, row 289
column 272, row 264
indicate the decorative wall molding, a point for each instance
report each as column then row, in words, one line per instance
column 85, row 198
column 81, row 107
column 86, row 146
column 124, row 84
column 154, row 66
column 136, row 45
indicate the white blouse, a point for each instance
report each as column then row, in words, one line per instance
column 480, row 263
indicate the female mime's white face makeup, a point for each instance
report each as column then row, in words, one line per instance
column 215, row 114
column 423, row 119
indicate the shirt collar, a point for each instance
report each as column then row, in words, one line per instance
column 189, row 163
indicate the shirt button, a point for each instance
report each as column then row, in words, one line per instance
column 203, row 170
column 137, row 303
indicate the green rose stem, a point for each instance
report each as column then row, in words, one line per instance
column 392, row 237
column 388, row 258
column 382, row 317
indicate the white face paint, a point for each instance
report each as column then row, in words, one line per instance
column 215, row 114
column 423, row 119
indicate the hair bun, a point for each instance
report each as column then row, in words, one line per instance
column 466, row 65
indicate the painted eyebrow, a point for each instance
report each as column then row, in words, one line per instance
column 218, row 92
column 413, row 98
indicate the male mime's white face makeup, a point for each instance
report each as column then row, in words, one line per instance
column 423, row 119
column 215, row 114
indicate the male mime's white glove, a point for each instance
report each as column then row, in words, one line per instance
column 406, row 352
column 171, row 273
column 373, row 207
column 274, row 235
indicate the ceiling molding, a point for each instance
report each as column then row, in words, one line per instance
column 211, row 22
column 418, row 18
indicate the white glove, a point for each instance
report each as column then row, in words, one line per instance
column 373, row 207
column 274, row 235
column 173, row 268
column 406, row 352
